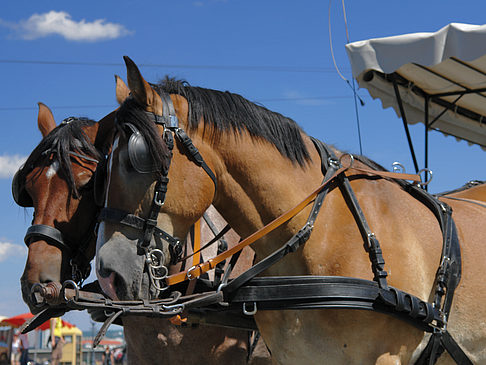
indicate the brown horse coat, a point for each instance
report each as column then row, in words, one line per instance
column 256, row 184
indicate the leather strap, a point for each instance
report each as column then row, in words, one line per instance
column 211, row 264
column 48, row 233
column 197, row 243
column 472, row 201
column 121, row 217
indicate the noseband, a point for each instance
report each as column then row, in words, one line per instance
column 139, row 158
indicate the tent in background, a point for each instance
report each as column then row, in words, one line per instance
column 20, row 319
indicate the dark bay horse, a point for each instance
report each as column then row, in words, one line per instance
column 262, row 165
column 57, row 181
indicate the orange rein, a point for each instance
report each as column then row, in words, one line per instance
column 201, row 268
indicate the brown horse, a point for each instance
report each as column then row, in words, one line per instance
column 473, row 192
column 61, row 192
column 263, row 165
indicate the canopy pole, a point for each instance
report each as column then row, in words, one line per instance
column 405, row 124
column 426, row 110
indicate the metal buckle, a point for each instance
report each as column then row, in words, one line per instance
column 157, row 201
column 333, row 162
column 189, row 272
column 173, row 122
column 68, row 120
column 247, row 312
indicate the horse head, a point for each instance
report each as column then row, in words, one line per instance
column 57, row 181
column 130, row 256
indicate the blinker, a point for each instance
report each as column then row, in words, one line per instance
column 20, row 195
column 139, row 153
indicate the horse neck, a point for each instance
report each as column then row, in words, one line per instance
column 256, row 184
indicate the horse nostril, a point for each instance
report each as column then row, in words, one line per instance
column 107, row 280
column 104, row 272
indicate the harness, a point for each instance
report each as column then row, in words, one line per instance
column 250, row 293
column 79, row 263
column 140, row 159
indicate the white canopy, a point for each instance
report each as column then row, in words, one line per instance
column 447, row 68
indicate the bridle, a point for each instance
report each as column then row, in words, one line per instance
column 139, row 156
column 76, row 251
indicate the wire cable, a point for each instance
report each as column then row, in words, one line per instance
column 202, row 67
column 113, row 106
column 352, row 86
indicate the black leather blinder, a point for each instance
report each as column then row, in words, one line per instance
column 139, row 153
column 20, row 195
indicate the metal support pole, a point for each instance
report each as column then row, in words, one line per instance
column 426, row 110
column 405, row 125
column 92, row 341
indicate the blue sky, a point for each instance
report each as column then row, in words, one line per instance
column 275, row 52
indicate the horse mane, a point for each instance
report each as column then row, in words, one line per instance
column 66, row 137
column 226, row 111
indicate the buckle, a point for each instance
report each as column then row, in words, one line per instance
column 189, row 274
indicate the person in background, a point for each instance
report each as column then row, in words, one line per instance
column 24, row 349
column 15, row 358
column 57, row 340
column 107, row 357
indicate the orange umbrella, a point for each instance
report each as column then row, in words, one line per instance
column 20, row 319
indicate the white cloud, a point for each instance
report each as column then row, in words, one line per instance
column 8, row 250
column 9, row 165
column 61, row 23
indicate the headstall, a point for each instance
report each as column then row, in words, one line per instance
column 141, row 161
column 79, row 263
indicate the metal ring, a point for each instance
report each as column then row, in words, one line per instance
column 351, row 158
column 398, row 167
column 427, row 182
column 160, row 276
column 74, row 286
column 159, row 256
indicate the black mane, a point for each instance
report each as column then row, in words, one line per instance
column 225, row 111
column 58, row 143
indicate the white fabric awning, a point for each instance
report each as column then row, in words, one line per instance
column 447, row 67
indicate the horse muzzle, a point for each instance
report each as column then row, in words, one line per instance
column 120, row 268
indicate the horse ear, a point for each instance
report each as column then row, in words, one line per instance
column 122, row 90
column 106, row 128
column 141, row 90
column 45, row 119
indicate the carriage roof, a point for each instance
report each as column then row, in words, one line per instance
column 440, row 78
